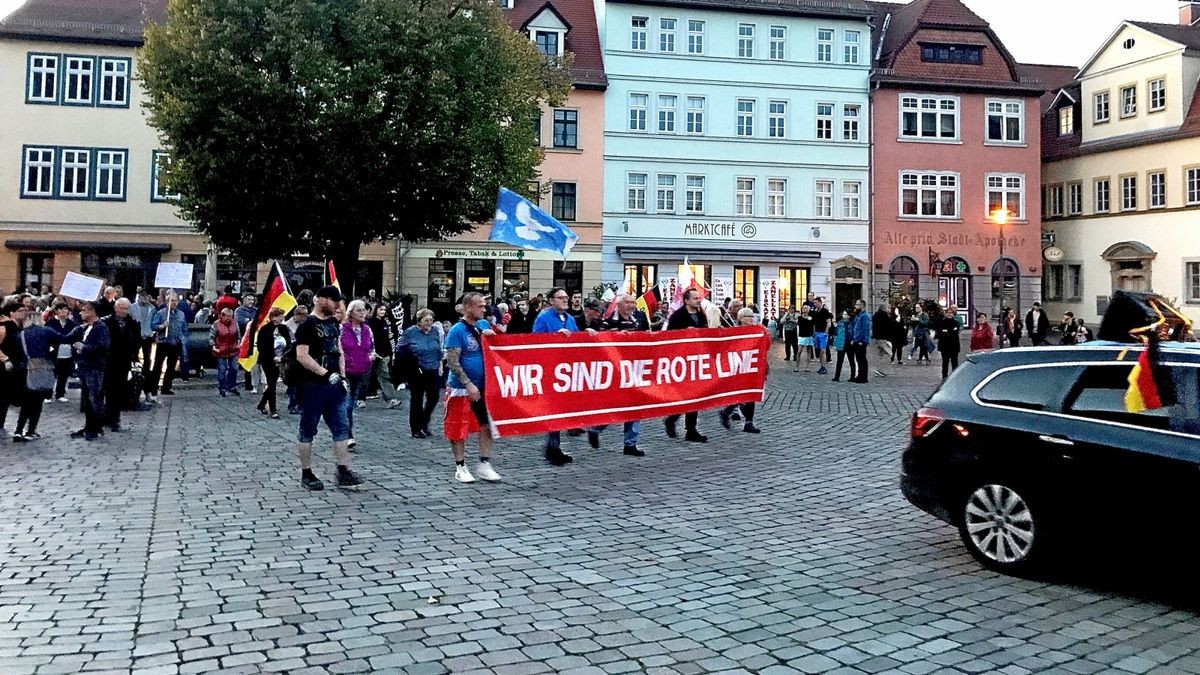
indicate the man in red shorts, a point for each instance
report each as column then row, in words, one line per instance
column 466, row 411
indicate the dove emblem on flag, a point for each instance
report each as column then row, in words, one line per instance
column 521, row 223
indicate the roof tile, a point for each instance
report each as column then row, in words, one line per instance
column 583, row 40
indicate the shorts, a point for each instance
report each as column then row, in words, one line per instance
column 323, row 400
column 465, row 417
column 806, row 341
column 821, row 341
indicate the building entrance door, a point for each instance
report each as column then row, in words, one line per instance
column 845, row 295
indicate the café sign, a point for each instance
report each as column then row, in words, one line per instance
column 719, row 230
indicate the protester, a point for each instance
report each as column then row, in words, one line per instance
column 687, row 316
column 556, row 319
column 982, row 337
column 746, row 318
column 841, row 342
column 519, row 323
column 143, row 312
column 881, row 330
column 860, row 337
column 226, row 342
column 245, row 315
column 576, row 309
column 322, row 389
column 1067, row 328
column 805, row 327
column 272, row 339
column 38, row 344
column 299, row 314
column 1037, row 325
column 227, row 301
column 91, row 353
column 171, row 328
column 422, row 352
column 381, row 373
column 822, row 318
column 898, row 337
column 920, row 333
column 1082, row 332
column 1009, row 328
column 791, row 337
column 104, row 306
column 12, row 357
column 124, row 338
column 466, row 406
column 358, row 347
column 64, row 358
column 625, row 318
column 946, row 331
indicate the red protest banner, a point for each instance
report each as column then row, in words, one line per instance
column 549, row 382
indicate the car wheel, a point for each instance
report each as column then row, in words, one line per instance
column 1001, row 528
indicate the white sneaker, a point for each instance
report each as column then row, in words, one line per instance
column 64, row 399
column 462, row 475
column 486, row 472
column 360, row 405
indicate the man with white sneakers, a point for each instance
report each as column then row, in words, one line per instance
column 466, row 408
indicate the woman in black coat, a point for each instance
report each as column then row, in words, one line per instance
column 945, row 331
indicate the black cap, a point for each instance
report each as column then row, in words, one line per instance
column 593, row 303
column 330, row 292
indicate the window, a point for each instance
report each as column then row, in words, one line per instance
column 637, row 40
column 562, row 201
column 744, row 197
column 1158, row 190
column 1128, row 193
column 776, row 197
column 825, row 121
column 1005, row 120
column 850, row 122
column 745, row 117
column 38, row 173
column 776, row 119
column 73, row 178
column 114, row 82
column 823, row 199
column 637, row 111
column 1193, row 186
column 824, row 45
column 851, row 193
column 547, row 42
column 778, row 42
column 1052, row 282
column 1028, row 388
column 1074, row 199
column 695, row 115
column 1054, row 200
column 745, row 284
column 666, row 35
column 666, row 114
column 1066, row 121
column 1191, row 281
column 1128, row 101
column 1103, row 196
column 1158, row 95
column 1101, row 107
column 636, row 192
column 694, row 197
column 666, row 194
column 1006, row 192
column 851, row 46
column 1100, row 395
column 42, row 80
column 158, row 191
column 968, row 54
column 928, row 117
column 536, row 122
column 639, row 278
column 110, row 174
column 695, row 37
column 566, row 128
column 78, row 80
column 929, row 195
column 746, row 40
column 35, row 270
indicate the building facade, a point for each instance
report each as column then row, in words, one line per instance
column 1122, row 172
column 956, row 162
column 570, row 186
column 736, row 139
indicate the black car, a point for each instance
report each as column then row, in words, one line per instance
column 1027, row 450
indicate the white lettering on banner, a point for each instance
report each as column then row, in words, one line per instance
column 577, row 376
column 526, row 378
column 583, row 376
column 636, row 373
column 745, row 361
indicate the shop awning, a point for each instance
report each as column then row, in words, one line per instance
column 717, row 254
column 69, row 245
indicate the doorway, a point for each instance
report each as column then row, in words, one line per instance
column 845, row 295
column 1131, row 263
column 1006, row 287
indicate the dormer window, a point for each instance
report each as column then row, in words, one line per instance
column 1066, row 121
column 548, row 31
column 968, row 54
column 505, row 4
column 547, row 42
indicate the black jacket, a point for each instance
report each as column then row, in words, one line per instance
column 124, row 339
column 94, row 354
column 1042, row 329
column 635, row 322
column 681, row 319
column 946, row 331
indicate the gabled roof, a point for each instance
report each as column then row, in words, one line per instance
column 119, row 22
column 1055, row 147
column 1188, row 36
column 1054, row 78
column 546, row 7
column 583, row 39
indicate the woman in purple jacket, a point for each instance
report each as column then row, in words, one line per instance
column 359, row 348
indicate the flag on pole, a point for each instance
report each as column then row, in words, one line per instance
column 332, row 274
column 521, row 223
column 276, row 295
column 648, row 302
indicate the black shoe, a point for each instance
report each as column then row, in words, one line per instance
column 672, row 432
column 18, row 437
column 594, row 439
column 632, row 451
column 235, row 392
column 427, row 432
column 168, row 392
column 293, row 411
column 418, row 434
column 724, row 415
column 222, row 393
column 274, row 416
column 32, row 435
column 261, row 409
column 695, row 436
column 557, row 457
column 78, row 433
column 836, row 380
column 115, row 428
column 91, row 436
column 347, row 478
column 574, row 432
column 311, row 483
column 751, row 429
column 351, row 444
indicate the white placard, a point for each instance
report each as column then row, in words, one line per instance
column 722, row 287
column 81, row 287
column 770, row 299
column 177, row 276
column 667, row 288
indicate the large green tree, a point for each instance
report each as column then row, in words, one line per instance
column 314, row 126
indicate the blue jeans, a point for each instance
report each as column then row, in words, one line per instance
column 358, row 386
column 227, row 370
column 91, row 399
column 322, row 400
column 632, row 431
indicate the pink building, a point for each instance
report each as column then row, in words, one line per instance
column 956, row 136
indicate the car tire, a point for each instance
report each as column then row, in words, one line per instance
column 1002, row 526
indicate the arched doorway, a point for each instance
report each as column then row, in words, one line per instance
column 848, row 274
column 954, row 286
column 1006, row 286
column 903, row 282
column 1131, row 263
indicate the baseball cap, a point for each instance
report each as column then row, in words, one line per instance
column 594, row 303
column 331, row 293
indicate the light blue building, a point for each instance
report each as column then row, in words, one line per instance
column 736, row 135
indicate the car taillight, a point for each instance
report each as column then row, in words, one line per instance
column 925, row 421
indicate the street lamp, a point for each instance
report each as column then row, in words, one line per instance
column 1001, row 217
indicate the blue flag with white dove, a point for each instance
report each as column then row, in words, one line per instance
column 521, row 223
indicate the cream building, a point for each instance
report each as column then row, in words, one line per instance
column 1121, row 172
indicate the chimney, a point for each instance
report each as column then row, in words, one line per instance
column 1189, row 13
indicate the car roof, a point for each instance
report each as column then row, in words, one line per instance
column 1091, row 351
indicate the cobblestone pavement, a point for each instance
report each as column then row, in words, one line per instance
column 187, row 545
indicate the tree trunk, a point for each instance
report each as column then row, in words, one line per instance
column 345, row 260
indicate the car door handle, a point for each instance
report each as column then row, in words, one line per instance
column 1057, row 440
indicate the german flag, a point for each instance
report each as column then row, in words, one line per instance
column 1150, row 387
column 648, row 302
column 332, row 275
column 276, row 295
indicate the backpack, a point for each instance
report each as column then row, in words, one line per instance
column 290, row 370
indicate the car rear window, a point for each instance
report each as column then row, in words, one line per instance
column 1100, row 394
column 1029, row 388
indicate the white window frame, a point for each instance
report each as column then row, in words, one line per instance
column 1128, row 108
column 694, row 194
column 776, row 197
column 1191, row 184
column 695, row 36
column 1156, row 183
column 664, row 195
column 157, row 191
column 1074, row 198
column 852, row 199
column 1101, row 102
column 1006, row 112
column 851, row 41
column 84, row 69
column 668, row 105
column 121, row 75
column 638, row 111
column 46, row 67
column 666, row 36
column 942, row 106
column 776, row 119
column 1191, row 280
column 1157, row 88
column 938, row 183
column 851, row 114
column 695, row 115
column 778, row 46
column 1129, row 191
column 637, row 33
column 823, row 198
column 745, row 41
column 745, row 117
column 635, row 192
column 559, row 38
column 74, row 167
column 1102, row 203
column 825, row 45
column 43, row 166
column 1008, row 184
column 824, row 127
column 1054, row 200
column 112, row 167
column 743, row 195
column 1066, row 120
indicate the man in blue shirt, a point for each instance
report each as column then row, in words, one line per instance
column 171, row 329
column 860, row 337
column 466, row 407
column 556, row 319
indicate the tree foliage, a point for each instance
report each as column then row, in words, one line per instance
column 314, row 126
